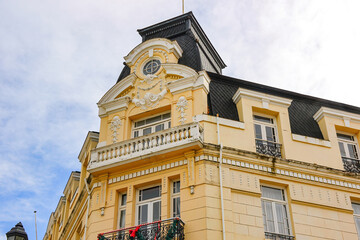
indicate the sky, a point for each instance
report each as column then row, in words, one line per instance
column 57, row 59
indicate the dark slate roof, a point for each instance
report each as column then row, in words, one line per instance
column 301, row 110
column 198, row 52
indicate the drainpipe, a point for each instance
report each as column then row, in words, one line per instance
column 220, row 176
column 88, row 206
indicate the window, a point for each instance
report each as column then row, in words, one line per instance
column 151, row 67
column 149, row 205
column 122, row 210
column 349, row 152
column 150, row 125
column 356, row 207
column 175, row 199
column 275, row 213
column 266, row 136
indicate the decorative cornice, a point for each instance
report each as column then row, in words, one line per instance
column 169, row 46
column 266, row 99
column 310, row 140
column 145, row 172
column 222, row 121
column 91, row 136
column 179, row 69
column 346, row 116
column 280, row 171
column 113, row 92
column 118, row 104
column 191, row 80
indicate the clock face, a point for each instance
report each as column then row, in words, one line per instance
column 151, row 67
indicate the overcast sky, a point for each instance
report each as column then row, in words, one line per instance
column 57, row 59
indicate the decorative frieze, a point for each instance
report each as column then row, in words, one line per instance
column 147, row 171
column 279, row 171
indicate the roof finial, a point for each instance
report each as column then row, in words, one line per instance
column 183, row 3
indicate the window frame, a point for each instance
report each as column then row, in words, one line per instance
column 121, row 207
column 150, row 125
column 149, row 202
column 142, row 67
column 346, row 143
column 175, row 196
column 356, row 216
column 273, row 208
column 263, row 126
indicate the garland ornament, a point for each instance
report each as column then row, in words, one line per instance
column 181, row 106
column 114, row 126
column 150, row 100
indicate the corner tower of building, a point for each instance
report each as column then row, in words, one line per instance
column 198, row 52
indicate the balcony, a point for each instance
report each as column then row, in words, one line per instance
column 136, row 148
column 170, row 229
column 278, row 236
column 351, row 164
column 268, row 148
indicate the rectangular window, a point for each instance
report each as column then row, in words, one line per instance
column 149, row 205
column 356, row 208
column 349, row 152
column 151, row 125
column 275, row 213
column 122, row 210
column 348, row 146
column 175, row 196
column 266, row 139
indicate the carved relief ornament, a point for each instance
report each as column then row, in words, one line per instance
column 114, row 126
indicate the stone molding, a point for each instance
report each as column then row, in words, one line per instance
column 266, row 99
column 345, row 116
column 149, row 45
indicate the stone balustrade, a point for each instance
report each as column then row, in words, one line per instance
column 176, row 137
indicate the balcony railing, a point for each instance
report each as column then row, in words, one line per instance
column 351, row 165
column 138, row 147
column 278, row 236
column 268, row 148
column 170, row 229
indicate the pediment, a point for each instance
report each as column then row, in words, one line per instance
column 148, row 47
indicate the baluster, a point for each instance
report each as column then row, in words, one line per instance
column 173, row 136
column 168, row 137
column 99, row 156
column 123, row 151
column 162, row 138
column 182, row 134
column 186, row 132
column 153, row 140
column 137, row 145
column 177, row 135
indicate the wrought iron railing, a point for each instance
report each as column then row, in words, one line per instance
column 351, row 164
column 268, row 148
column 169, row 229
column 278, row 236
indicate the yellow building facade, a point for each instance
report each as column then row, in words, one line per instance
column 184, row 152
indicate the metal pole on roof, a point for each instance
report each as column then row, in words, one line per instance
column 35, row 226
column 183, row 3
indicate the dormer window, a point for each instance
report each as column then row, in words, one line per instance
column 150, row 125
column 266, row 139
column 349, row 152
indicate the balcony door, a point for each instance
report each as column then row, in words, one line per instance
column 150, row 125
column 149, row 205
